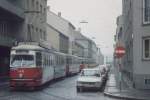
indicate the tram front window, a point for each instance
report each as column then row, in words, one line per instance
column 22, row 61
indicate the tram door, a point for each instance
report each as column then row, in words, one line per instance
column 4, row 63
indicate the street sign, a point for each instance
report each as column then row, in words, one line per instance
column 120, row 52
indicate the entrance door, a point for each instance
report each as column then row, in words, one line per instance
column 4, row 63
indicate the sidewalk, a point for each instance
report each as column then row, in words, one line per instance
column 112, row 90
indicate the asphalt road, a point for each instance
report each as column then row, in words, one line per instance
column 61, row 90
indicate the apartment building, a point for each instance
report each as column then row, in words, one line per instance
column 58, row 32
column 136, row 39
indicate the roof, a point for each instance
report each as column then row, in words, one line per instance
column 28, row 47
column 91, row 69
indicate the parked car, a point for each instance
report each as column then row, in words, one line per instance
column 89, row 78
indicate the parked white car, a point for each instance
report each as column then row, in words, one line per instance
column 89, row 78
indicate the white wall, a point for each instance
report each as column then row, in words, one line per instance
column 53, row 37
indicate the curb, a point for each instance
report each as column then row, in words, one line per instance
column 122, row 97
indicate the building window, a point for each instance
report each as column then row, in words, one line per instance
column 37, row 33
column 41, row 9
column 45, row 36
column 146, row 11
column 37, row 6
column 147, row 81
column 33, row 4
column 29, row 32
column 41, row 35
column 146, row 48
column 27, row 4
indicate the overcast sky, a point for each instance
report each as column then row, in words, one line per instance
column 100, row 14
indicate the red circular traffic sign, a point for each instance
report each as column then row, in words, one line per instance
column 120, row 52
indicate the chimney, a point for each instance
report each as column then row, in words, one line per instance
column 59, row 14
column 48, row 8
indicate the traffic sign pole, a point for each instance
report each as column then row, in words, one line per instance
column 120, row 74
column 120, row 52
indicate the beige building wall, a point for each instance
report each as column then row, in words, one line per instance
column 58, row 22
column 53, row 37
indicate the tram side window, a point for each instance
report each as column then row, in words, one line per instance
column 70, row 60
column 57, row 60
column 50, row 60
column 73, row 61
column 47, row 63
column 60, row 60
column 67, row 60
column 54, row 60
column 38, row 59
column 63, row 61
column 44, row 62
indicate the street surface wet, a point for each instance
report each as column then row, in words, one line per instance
column 60, row 90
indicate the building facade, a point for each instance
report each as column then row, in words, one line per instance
column 58, row 32
column 135, row 34
column 20, row 20
column 35, row 19
column 53, row 37
column 64, row 37
column 81, row 44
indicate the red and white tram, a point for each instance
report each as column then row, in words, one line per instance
column 30, row 66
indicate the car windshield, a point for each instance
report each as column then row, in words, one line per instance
column 90, row 73
column 22, row 60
